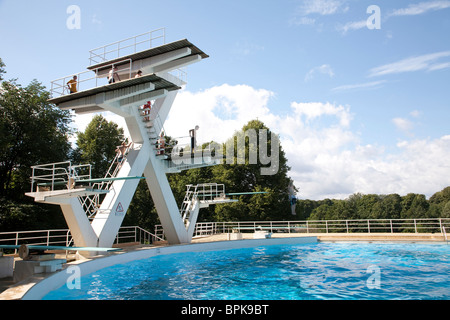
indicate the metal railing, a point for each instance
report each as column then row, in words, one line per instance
column 136, row 234
column 88, row 79
column 53, row 174
column 436, row 225
column 127, row 46
column 55, row 237
column 63, row 237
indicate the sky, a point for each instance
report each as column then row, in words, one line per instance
column 358, row 91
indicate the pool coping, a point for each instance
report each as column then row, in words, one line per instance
column 36, row 287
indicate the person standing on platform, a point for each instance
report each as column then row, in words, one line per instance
column 113, row 75
column 193, row 135
column 121, row 150
column 73, row 84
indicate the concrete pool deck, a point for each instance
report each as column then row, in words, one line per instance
column 16, row 291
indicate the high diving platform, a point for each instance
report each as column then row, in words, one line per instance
column 138, row 81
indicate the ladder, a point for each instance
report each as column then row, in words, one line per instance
column 91, row 204
column 188, row 203
column 147, row 114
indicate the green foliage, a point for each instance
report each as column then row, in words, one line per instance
column 2, row 69
column 26, row 215
column 250, row 177
column 371, row 206
column 32, row 131
column 97, row 145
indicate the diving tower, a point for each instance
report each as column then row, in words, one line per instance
column 94, row 208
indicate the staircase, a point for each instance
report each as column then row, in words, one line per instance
column 154, row 128
column 91, row 204
column 201, row 196
column 189, row 203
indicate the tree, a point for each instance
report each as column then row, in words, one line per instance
column 97, row 145
column 32, row 131
column 244, row 175
column 325, row 210
column 414, row 206
column 446, row 210
column 304, row 208
column 388, row 208
column 438, row 203
column 2, row 69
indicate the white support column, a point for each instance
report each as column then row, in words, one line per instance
column 166, row 206
column 112, row 211
column 78, row 223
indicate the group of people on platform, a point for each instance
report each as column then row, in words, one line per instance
column 113, row 76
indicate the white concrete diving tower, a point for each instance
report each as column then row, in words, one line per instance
column 158, row 84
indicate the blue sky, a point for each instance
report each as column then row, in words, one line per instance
column 358, row 109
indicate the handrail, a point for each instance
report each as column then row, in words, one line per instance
column 392, row 226
column 58, row 173
column 63, row 237
column 102, row 53
column 445, row 233
column 59, row 86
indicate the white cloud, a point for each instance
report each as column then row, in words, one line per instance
column 96, row 20
column 219, row 111
column 421, row 8
column 355, row 25
column 415, row 113
column 303, row 21
column 246, row 48
column 439, row 66
column 322, row 7
column 323, row 69
column 302, row 14
column 404, row 125
column 367, row 85
column 424, row 62
column 326, row 156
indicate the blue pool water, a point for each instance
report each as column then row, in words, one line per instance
column 313, row 271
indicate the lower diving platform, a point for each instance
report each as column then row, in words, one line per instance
column 55, row 195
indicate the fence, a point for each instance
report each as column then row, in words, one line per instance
column 62, row 237
column 437, row 225
column 127, row 46
column 89, row 79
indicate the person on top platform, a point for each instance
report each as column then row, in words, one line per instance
column 73, row 84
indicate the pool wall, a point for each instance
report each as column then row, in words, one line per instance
column 55, row 281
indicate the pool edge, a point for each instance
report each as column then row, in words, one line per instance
column 43, row 286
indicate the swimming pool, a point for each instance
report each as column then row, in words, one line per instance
column 281, row 272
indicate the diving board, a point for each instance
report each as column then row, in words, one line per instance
column 245, row 193
column 95, row 180
column 64, row 248
column 54, row 196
